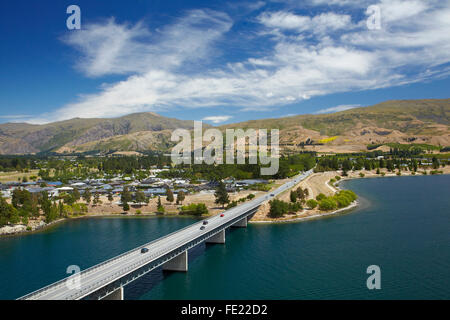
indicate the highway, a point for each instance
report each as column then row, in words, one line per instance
column 96, row 277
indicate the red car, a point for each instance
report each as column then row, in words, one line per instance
column 222, row 215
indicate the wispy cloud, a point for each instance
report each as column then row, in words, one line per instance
column 304, row 56
column 217, row 119
column 15, row 116
column 338, row 108
column 113, row 48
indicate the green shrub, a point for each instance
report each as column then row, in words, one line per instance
column 138, row 211
column 231, row 205
column 250, row 196
column 278, row 208
column 338, row 178
column 311, row 203
column 195, row 209
column 79, row 208
column 362, row 175
column 327, row 204
column 321, row 196
column 68, row 209
column 342, row 201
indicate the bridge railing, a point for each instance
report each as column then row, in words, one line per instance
column 95, row 267
column 255, row 202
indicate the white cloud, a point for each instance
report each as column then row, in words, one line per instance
column 217, row 119
column 169, row 68
column 319, row 23
column 112, row 48
column 338, row 108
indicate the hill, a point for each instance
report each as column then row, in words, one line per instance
column 422, row 122
column 397, row 121
column 74, row 134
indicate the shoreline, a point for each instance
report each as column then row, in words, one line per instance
column 353, row 205
column 55, row 223
column 336, row 186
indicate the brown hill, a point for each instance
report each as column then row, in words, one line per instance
column 404, row 121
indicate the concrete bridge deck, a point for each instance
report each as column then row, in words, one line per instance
column 107, row 279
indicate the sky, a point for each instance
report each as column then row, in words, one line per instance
column 218, row 61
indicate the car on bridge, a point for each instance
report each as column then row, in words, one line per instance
column 144, row 250
column 202, row 228
column 205, row 222
column 222, row 215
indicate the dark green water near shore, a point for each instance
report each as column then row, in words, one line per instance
column 403, row 226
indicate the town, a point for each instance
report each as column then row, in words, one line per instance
column 37, row 191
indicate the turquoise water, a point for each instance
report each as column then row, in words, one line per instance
column 402, row 226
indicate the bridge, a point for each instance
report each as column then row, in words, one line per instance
column 107, row 279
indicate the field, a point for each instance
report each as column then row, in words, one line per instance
column 15, row 175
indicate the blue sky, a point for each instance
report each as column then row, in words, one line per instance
column 218, row 61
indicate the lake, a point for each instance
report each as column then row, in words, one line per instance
column 402, row 226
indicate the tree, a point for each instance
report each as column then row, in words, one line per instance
column 20, row 197
column 328, row 204
column 45, row 203
column 160, row 208
column 87, row 196
column 293, row 196
column 110, row 198
column 301, row 194
column 320, row 197
column 278, row 208
column 414, row 164
column 306, row 191
column 347, row 165
column 180, row 197
column 97, row 199
column 52, row 214
column 60, row 209
column 34, row 206
column 69, row 199
column 169, row 197
column 125, row 206
column 221, row 195
column 311, row 203
column 8, row 214
column 435, row 163
column 76, row 195
column 125, row 195
column 140, row 197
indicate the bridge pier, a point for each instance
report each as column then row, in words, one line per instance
column 179, row 263
column 217, row 238
column 241, row 223
column 115, row 295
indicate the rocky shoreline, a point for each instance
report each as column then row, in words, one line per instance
column 21, row 228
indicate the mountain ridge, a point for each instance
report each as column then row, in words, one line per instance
column 400, row 121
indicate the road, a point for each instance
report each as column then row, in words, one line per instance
column 100, row 275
